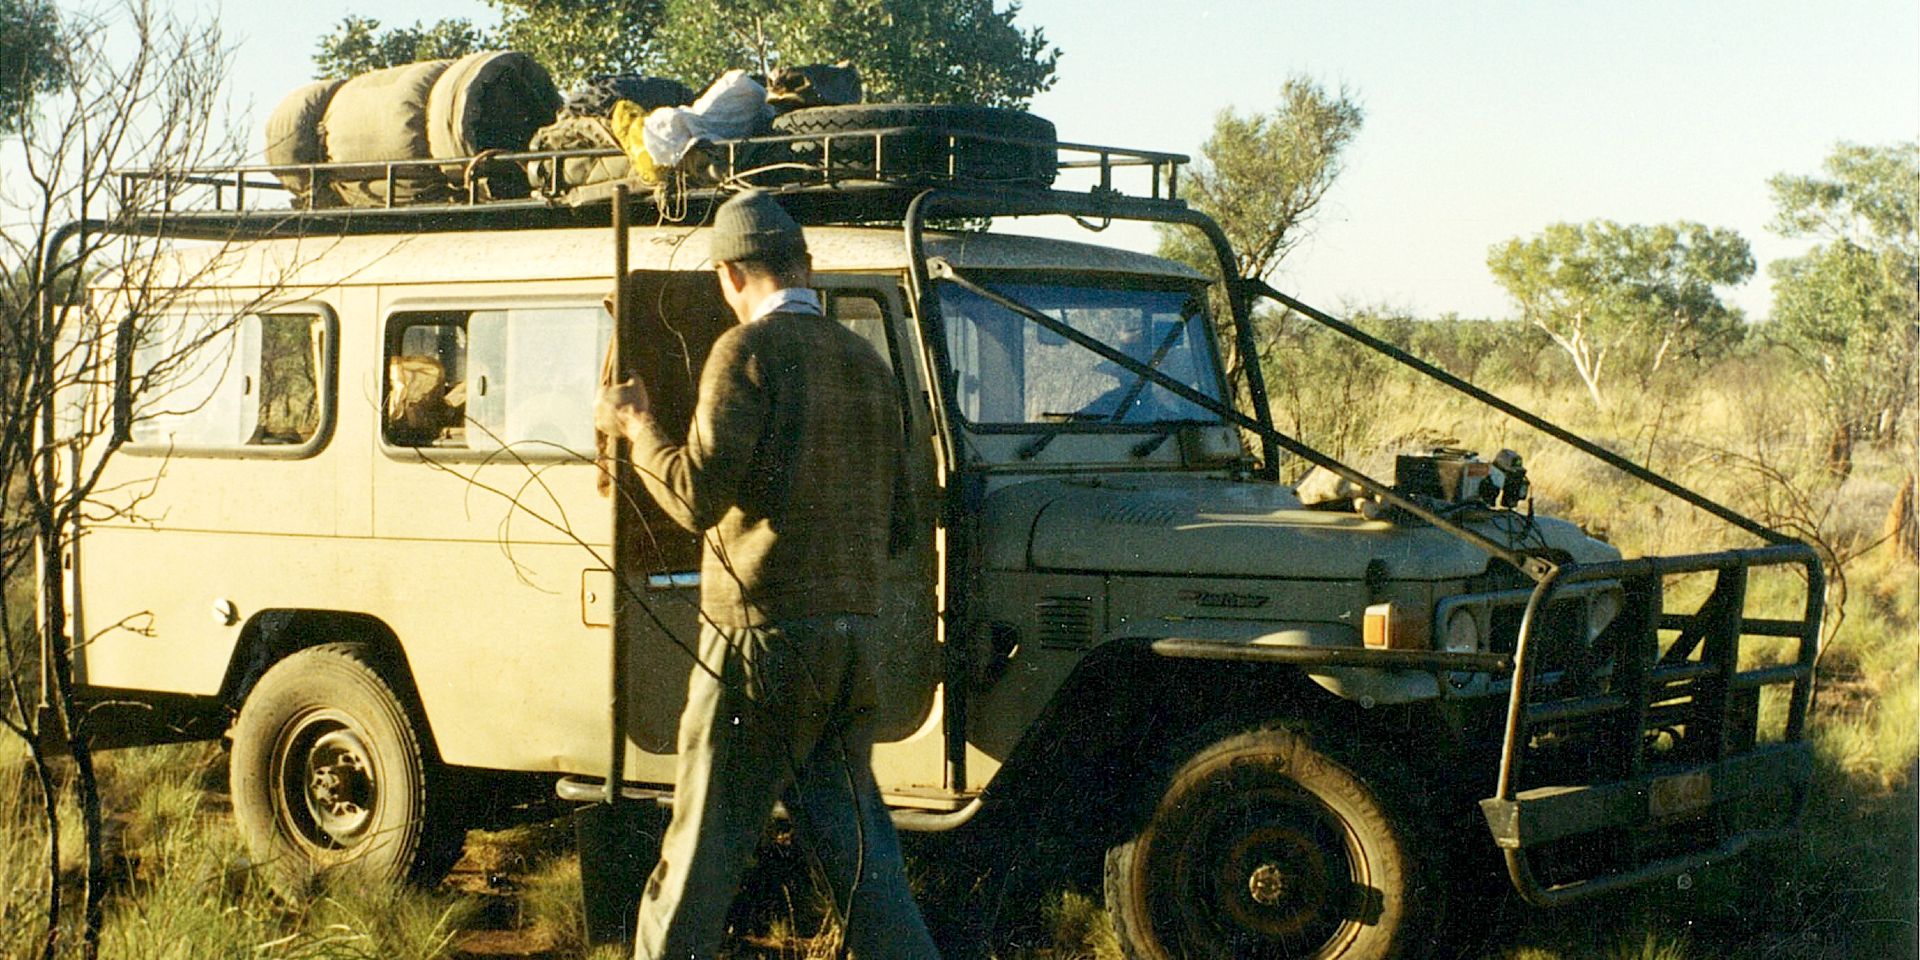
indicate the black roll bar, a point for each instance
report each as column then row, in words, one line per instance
column 1562, row 434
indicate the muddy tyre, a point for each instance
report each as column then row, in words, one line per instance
column 330, row 773
column 1262, row 847
column 926, row 152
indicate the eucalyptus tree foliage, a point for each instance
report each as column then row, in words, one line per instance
column 1613, row 295
column 907, row 51
column 358, row 45
column 573, row 39
column 577, row 39
column 31, row 62
column 933, row 51
column 1262, row 177
column 1848, row 310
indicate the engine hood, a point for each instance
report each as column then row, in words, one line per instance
column 1203, row 526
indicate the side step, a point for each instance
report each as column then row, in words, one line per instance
column 594, row 790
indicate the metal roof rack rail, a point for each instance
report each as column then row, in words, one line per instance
column 841, row 177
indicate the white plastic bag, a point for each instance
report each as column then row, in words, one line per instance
column 731, row 108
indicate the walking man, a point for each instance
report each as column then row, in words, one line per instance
column 787, row 472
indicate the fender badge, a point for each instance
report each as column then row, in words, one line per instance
column 1231, row 601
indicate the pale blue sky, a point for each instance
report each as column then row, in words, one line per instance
column 1485, row 120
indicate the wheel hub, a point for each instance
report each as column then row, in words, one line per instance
column 1267, row 884
column 330, row 771
column 1275, row 879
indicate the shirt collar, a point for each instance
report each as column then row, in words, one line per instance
column 788, row 300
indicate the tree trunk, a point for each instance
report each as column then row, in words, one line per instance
column 1580, row 351
column 89, row 789
column 50, row 791
column 54, row 623
column 1840, row 451
column 1659, row 357
column 1902, row 528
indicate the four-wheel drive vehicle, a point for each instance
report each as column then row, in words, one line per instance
column 365, row 527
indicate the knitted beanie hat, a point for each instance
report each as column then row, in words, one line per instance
column 753, row 226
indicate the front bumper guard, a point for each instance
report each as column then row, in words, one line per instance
column 1677, row 775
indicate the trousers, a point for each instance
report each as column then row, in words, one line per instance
column 788, row 716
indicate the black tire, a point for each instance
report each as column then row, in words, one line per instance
column 1263, row 847
column 330, row 772
column 925, row 152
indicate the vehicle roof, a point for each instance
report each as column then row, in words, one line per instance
column 584, row 253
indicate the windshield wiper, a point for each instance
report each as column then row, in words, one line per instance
column 1032, row 448
column 1146, row 447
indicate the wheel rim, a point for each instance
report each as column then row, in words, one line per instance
column 1272, row 872
column 329, row 788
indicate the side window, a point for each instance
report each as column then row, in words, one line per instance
column 489, row 378
column 863, row 312
column 205, row 382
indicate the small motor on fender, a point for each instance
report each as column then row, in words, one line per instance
column 1509, row 475
column 1454, row 475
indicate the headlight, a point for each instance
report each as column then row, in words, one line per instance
column 1601, row 610
column 1463, row 633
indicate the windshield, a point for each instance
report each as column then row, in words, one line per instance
column 1008, row 369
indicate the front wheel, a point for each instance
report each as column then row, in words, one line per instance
column 1262, row 847
column 329, row 773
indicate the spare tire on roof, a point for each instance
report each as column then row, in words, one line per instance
column 957, row 140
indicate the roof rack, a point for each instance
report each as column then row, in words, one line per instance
column 829, row 178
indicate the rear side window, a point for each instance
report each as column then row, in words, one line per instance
column 257, row 383
column 485, row 379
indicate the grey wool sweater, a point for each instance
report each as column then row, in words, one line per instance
column 790, row 471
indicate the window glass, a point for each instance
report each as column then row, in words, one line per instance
column 292, row 355
column 1008, row 369
column 865, row 314
column 484, row 379
column 202, row 381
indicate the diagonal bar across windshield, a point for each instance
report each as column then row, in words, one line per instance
column 941, row 270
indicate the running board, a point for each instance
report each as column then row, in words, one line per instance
column 594, row 790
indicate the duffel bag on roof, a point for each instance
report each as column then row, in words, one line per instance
column 433, row 109
column 293, row 136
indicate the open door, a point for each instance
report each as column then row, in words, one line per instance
column 675, row 318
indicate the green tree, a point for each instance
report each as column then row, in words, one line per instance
column 1262, row 177
column 932, row 51
column 577, row 39
column 30, row 60
column 936, row 51
column 1630, row 293
column 358, row 45
column 1848, row 310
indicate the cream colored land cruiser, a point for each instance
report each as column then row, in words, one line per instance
column 362, row 533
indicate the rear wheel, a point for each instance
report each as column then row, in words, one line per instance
column 1263, row 847
column 329, row 774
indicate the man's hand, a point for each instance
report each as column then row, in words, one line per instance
column 620, row 408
